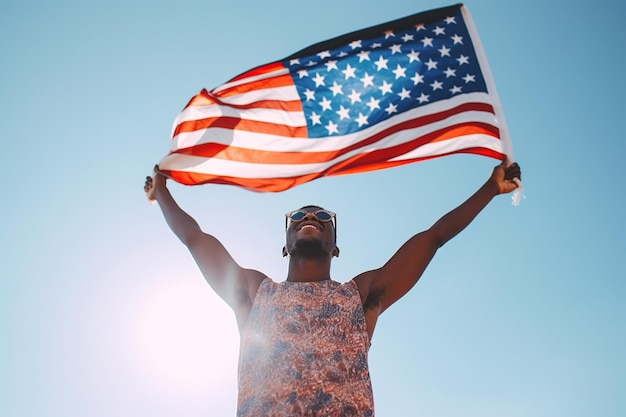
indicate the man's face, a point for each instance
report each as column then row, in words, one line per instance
column 311, row 235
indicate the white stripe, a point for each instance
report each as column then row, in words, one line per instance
column 220, row 167
column 191, row 113
column 265, row 142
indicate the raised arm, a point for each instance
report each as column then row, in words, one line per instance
column 234, row 284
column 382, row 287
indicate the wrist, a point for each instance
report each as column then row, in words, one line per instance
column 493, row 187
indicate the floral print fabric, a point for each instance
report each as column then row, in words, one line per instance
column 304, row 352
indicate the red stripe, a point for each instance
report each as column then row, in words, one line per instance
column 283, row 80
column 282, row 184
column 237, row 123
column 233, row 153
column 260, row 70
column 206, row 98
column 211, row 150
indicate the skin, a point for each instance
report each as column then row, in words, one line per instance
column 379, row 288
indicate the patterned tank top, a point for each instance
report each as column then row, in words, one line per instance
column 304, row 352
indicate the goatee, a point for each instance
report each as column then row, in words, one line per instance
column 309, row 248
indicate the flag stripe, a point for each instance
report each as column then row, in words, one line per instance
column 218, row 166
column 457, row 111
column 179, row 167
column 237, row 123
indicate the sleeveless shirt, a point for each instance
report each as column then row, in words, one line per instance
column 304, row 352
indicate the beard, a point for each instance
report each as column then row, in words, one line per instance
column 309, row 248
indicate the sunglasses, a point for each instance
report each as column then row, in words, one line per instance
column 321, row 215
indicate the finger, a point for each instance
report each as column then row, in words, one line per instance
column 513, row 171
column 157, row 170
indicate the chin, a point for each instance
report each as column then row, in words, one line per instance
column 312, row 247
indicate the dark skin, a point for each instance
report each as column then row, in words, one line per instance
column 379, row 288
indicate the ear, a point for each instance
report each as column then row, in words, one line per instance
column 336, row 252
column 285, row 253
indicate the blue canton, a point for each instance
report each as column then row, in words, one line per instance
column 367, row 81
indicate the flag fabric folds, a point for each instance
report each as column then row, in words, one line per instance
column 405, row 91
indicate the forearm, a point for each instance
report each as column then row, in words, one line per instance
column 458, row 219
column 182, row 224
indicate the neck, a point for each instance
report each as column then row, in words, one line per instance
column 308, row 269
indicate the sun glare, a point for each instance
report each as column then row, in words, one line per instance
column 186, row 337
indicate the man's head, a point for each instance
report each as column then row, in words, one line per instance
column 311, row 231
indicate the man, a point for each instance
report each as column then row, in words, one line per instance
column 304, row 341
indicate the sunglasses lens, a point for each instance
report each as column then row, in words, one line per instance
column 297, row 215
column 323, row 215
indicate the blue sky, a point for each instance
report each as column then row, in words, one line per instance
column 103, row 313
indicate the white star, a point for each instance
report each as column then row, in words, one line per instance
column 450, row 19
column 423, row 98
column 331, row 127
column 395, row 49
column 439, row 31
column 427, row 42
column 343, row 113
column 354, row 96
column 463, row 60
column 404, row 93
column 356, row 44
column 450, row 72
column 349, row 72
column 455, row 89
column 364, row 56
column 311, row 64
column 457, row 39
column 367, row 80
column 418, row 78
column 431, row 64
column 420, row 27
column 413, row 56
column 381, row 63
column 342, row 54
column 361, row 120
column 294, row 61
column 336, row 89
column 469, row 78
column 310, row 94
column 389, row 33
column 407, row 37
column 325, row 103
column 303, row 73
column 315, row 119
column 391, row 108
column 385, row 88
column 373, row 104
column 330, row 65
column 324, row 54
column 437, row 86
column 376, row 45
column 399, row 71
column 444, row 51
column 319, row 79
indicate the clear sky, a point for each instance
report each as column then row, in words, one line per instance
column 104, row 314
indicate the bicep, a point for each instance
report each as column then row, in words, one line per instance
column 404, row 268
column 229, row 280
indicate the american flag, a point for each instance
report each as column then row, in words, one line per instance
column 405, row 91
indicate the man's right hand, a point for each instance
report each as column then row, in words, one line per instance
column 154, row 183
